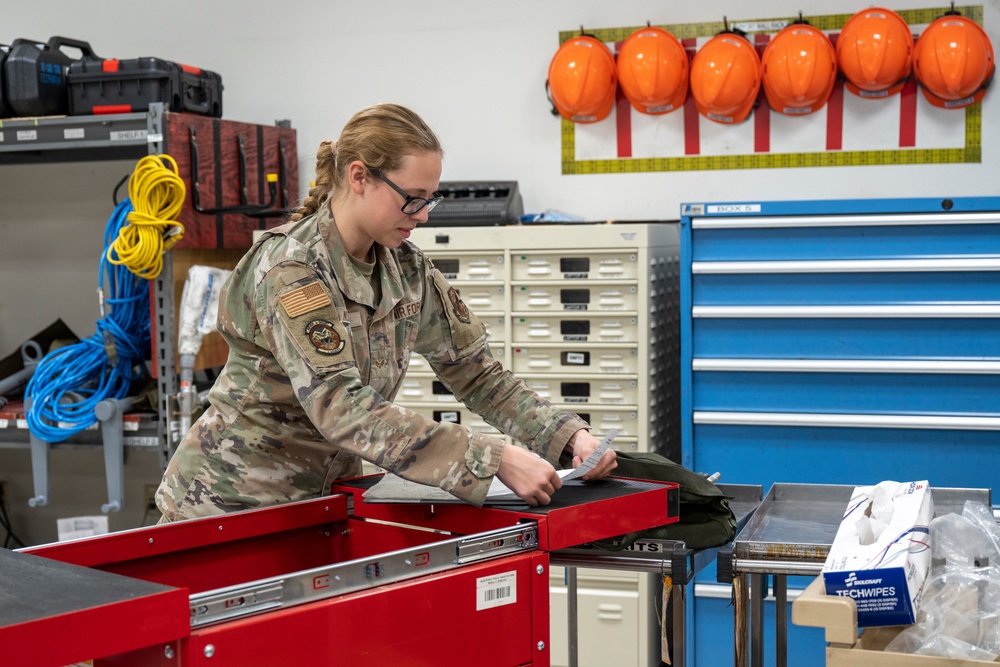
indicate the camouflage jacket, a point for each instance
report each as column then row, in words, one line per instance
column 313, row 366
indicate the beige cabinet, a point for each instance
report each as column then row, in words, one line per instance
column 587, row 316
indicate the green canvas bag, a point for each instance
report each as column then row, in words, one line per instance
column 705, row 518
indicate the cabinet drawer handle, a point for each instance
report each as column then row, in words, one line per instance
column 845, row 221
column 874, row 312
column 948, row 423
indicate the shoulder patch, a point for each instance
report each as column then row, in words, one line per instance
column 305, row 299
column 465, row 327
column 323, row 335
column 322, row 340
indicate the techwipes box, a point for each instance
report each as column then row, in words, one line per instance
column 882, row 553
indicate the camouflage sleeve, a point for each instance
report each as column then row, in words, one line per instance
column 453, row 341
column 304, row 329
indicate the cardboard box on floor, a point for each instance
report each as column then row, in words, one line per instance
column 845, row 648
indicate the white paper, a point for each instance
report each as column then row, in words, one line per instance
column 75, row 527
column 592, row 460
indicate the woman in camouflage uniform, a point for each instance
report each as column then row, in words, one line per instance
column 321, row 317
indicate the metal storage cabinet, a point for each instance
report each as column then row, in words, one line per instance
column 842, row 342
column 587, row 315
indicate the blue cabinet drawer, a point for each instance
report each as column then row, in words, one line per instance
column 843, row 288
column 855, row 393
column 844, row 338
column 761, row 454
column 921, row 238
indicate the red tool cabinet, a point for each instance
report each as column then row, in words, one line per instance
column 333, row 581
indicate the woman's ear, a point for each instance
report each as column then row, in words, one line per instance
column 357, row 174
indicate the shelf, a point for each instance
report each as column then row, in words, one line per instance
column 50, row 139
column 139, row 430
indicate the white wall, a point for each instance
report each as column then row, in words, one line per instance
column 476, row 72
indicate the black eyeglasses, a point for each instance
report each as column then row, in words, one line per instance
column 412, row 204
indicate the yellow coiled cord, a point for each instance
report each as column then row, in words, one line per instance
column 157, row 193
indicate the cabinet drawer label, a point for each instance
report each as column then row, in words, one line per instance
column 734, row 208
column 496, row 591
column 128, row 135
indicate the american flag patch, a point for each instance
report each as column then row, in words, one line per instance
column 305, row 299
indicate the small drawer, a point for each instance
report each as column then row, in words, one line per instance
column 418, row 365
column 532, row 328
column 469, row 265
column 482, row 297
column 602, row 419
column 548, row 265
column 574, row 359
column 424, row 389
column 574, row 296
column 601, row 391
column 458, row 414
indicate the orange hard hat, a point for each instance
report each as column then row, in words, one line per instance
column 799, row 70
column 653, row 71
column 953, row 61
column 875, row 50
column 582, row 79
column 725, row 78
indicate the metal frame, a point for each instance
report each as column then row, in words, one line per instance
column 790, row 535
column 657, row 557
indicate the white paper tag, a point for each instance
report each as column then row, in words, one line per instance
column 75, row 527
column 496, row 591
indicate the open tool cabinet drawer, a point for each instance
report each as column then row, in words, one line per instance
column 300, row 583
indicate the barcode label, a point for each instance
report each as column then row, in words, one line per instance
column 496, row 591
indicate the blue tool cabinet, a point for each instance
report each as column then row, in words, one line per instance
column 840, row 342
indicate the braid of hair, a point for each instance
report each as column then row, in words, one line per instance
column 326, row 172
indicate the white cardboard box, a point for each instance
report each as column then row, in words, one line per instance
column 883, row 577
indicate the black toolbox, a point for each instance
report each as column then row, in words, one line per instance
column 4, row 109
column 35, row 75
column 124, row 86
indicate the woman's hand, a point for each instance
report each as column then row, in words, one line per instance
column 581, row 445
column 528, row 475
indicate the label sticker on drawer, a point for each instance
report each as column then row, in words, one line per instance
column 496, row 591
column 733, row 208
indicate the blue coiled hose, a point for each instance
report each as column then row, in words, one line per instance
column 69, row 382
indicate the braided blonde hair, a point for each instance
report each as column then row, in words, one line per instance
column 379, row 136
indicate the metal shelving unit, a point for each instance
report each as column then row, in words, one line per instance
column 88, row 139
column 80, row 138
column 258, row 151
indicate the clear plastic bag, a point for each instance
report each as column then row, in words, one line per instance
column 959, row 609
